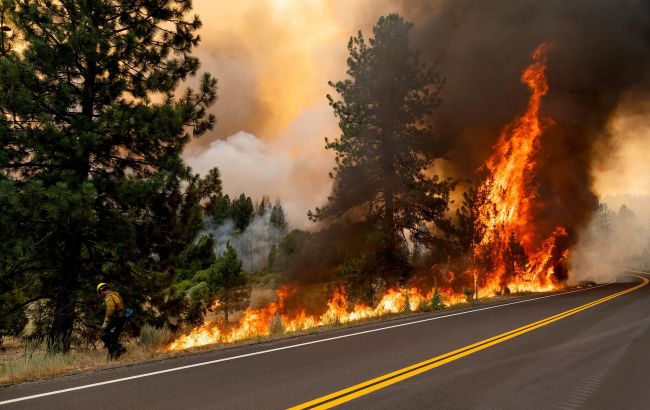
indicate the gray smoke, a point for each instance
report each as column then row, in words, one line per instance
column 616, row 238
column 252, row 245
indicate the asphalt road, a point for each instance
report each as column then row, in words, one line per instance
column 597, row 357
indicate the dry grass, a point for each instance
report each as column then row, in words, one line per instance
column 152, row 338
column 17, row 365
column 41, row 365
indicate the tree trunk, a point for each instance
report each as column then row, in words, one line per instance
column 389, row 180
column 390, row 177
column 225, row 305
column 60, row 335
column 63, row 315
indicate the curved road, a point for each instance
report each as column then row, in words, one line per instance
column 584, row 349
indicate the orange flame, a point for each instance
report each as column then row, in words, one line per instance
column 505, row 201
column 273, row 317
column 505, row 215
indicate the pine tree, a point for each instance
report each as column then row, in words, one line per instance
column 210, row 187
column 436, row 300
column 263, row 206
column 406, row 308
column 387, row 145
column 241, row 211
column 227, row 281
column 467, row 230
column 278, row 219
column 602, row 221
column 92, row 185
column 219, row 209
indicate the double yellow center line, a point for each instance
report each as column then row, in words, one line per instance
column 380, row 382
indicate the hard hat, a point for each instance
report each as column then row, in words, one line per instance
column 100, row 286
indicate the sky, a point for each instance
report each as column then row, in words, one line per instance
column 273, row 59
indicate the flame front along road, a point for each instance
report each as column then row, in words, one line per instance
column 509, row 257
column 591, row 352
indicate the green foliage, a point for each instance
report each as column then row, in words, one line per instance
column 406, row 308
column 211, row 187
column 292, row 242
column 387, row 145
column 289, row 250
column 241, row 211
column 219, row 209
column 360, row 274
column 199, row 297
column 196, row 257
column 273, row 254
column 92, row 185
column 227, row 281
column 278, row 219
column 263, row 206
column 436, row 300
column 226, row 271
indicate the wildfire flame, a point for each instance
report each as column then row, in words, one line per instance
column 509, row 251
column 509, row 245
column 273, row 318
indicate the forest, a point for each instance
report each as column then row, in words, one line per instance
column 95, row 114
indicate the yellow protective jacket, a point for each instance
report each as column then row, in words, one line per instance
column 114, row 306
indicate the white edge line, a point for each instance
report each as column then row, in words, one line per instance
column 225, row 359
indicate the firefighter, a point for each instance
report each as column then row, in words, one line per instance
column 113, row 321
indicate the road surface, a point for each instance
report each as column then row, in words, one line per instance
column 585, row 349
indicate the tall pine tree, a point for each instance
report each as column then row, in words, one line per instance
column 92, row 185
column 387, row 147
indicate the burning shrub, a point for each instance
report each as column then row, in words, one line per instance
column 469, row 294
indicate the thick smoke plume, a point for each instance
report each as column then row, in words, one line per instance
column 278, row 169
column 601, row 51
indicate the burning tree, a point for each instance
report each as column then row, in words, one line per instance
column 387, row 148
column 509, row 249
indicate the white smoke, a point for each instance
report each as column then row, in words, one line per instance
column 293, row 168
column 253, row 245
column 617, row 238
